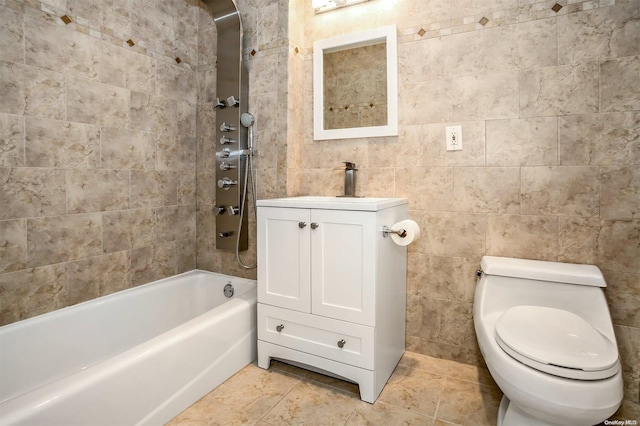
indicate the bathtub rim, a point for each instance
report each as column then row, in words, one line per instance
column 120, row 294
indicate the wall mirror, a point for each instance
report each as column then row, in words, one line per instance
column 355, row 85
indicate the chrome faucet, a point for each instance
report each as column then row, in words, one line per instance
column 349, row 179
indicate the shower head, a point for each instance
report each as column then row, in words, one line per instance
column 247, row 119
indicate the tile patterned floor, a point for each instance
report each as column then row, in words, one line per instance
column 421, row 391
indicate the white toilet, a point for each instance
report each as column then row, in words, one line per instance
column 546, row 335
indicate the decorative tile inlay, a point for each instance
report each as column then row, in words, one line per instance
column 253, row 52
column 130, row 43
column 65, row 19
column 422, row 32
column 529, row 10
column 178, row 60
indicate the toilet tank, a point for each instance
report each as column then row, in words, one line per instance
column 508, row 282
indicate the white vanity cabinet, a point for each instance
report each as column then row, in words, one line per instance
column 332, row 287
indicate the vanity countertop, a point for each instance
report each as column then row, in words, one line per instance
column 333, row 203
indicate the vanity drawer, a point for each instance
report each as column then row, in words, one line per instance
column 317, row 335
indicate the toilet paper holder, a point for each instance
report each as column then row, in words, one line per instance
column 400, row 232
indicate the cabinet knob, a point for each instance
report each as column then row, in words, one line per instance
column 279, row 328
column 341, row 343
column 314, row 225
column 302, row 224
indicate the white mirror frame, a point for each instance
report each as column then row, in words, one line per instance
column 387, row 35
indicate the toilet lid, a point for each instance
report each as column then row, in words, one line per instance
column 556, row 341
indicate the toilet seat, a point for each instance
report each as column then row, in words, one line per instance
column 557, row 342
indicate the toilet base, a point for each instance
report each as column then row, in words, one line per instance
column 511, row 415
column 504, row 404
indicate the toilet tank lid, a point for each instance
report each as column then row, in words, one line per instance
column 569, row 273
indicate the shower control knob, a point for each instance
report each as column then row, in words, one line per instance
column 226, row 166
column 279, row 328
column 232, row 102
column 225, row 140
column 314, row 225
column 224, row 127
column 341, row 343
column 226, row 183
column 225, row 153
column 233, row 210
column 219, row 210
column 302, row 225
column 219, row 104
column 225, row 234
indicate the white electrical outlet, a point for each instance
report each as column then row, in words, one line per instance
column 454, row 138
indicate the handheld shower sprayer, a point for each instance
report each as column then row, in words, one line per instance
column 247, row 120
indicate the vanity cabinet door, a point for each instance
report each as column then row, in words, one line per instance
column 343, row 265
column 284, row 258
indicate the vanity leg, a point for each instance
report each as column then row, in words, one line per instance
column 367, row 389
column 264, row 360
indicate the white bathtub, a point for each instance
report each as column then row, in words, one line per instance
column 139, row 356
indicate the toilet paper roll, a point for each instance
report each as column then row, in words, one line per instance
column 412, row 229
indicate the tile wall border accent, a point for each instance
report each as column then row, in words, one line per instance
column 528, row 10
column 82, row 25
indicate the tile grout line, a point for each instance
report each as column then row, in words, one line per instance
column 452, row 377
column 261, row 419
column 435, row 414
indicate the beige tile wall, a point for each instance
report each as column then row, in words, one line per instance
column 106, row 157
column 97, row 147
column 549, row 104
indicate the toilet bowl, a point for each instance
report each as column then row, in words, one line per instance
column 546, row 336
